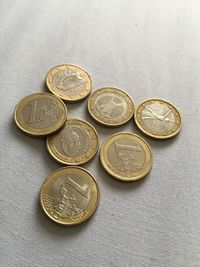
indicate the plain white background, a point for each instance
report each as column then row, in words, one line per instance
column 148, row 48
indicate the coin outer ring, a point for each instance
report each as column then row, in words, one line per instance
column 91, row 209
column 76, row 98
column 58, row 157
column 141, row 173
column 161, row 137
column 113, row 123
column 29, row 130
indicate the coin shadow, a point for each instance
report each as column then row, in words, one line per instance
column 161, row 144
column 156, row 143
column 56, row 230
column 38, row 144
column 34, row 142
column 112, row 182
column 104, row 130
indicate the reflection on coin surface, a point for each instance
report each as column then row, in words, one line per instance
column 75, row 144
column 126, row 156
column 40, row 114
column 110, row 106
column 158, row 118
column 69, row 195
column 69, row 82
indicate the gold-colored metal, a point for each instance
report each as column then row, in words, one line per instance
column 75, row 144
column 110, row 106
column 40, row 114
column 69, row 195
column 69, row 82
column 126, row 156
column 158, row 118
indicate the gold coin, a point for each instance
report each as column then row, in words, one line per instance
column 69, row 195
column 69, row 82
column 75, row 144
column 40, row 114
column 158, row 118
column 110, row 106
column 126, row 156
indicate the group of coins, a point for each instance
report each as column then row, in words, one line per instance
column 70, row 195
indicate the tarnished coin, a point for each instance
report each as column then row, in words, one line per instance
column 158, row 118
column 75, row 144
column 69, row 82
column 111, row 106
column 69, row 195
column 40, row 114
column 126, row 156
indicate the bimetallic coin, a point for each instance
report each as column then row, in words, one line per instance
column 158, row 118
column 69, row 195
column 75, row 144
column 110, row 106
column 126, row 156
column 69, row 82
column 40, row 114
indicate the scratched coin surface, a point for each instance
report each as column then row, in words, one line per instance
column 75, row 144
column 69, row 195
column 126, row 156
column 69, row 82
column 111, row 106
column 158, row 118
column 40, row 114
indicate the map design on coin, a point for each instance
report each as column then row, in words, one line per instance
column 71, row 81
column 75, row 140
column 158, row 118
column 126, row 155
column 69, row 199
column 40, row 113
column 110, row 105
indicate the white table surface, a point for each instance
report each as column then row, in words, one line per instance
column 148, row 48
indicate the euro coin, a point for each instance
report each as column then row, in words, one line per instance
column 126, row 156
column 69, row 196
column 40, row 114
column 110, row 106
column 75, row 144
column 158, row 118
column 69, row 82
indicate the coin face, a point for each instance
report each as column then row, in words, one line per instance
column 69, row 195
column 126, row 156
column 75, row 144
column 158, row 118
column 40, row 114
column 69, row 82
column 110, row 106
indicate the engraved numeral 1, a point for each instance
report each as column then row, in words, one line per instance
column 82, row 190
column 32, row 118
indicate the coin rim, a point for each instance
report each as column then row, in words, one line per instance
column 105, row 123
column 72, row 163
column 153, row 135
column 84, row 218
column 15, row 115
column 119, row 177
column 66, row 98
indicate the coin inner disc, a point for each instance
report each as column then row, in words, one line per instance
column 110, row 105
column 68, row 196
column 126, row 155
